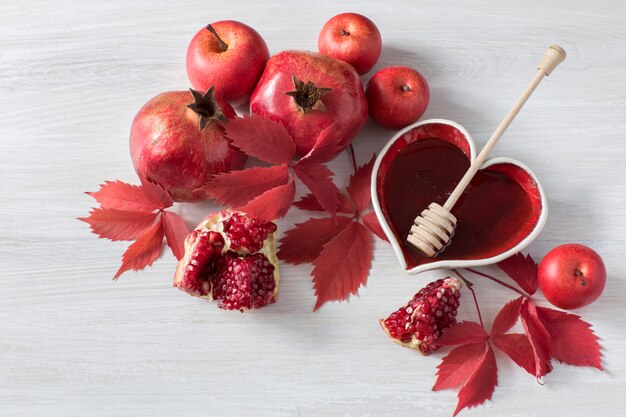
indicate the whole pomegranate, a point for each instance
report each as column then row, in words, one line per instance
column 419, row 323
column 177, row 140
column 308, row 92
column 231, row 258
column 571, row 276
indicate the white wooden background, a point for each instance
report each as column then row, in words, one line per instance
column 72, row 343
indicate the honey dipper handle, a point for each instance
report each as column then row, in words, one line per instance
column 553, row 57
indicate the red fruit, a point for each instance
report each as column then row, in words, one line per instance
column 177, row 140
column 231, row 258
column 571, row 276
column 397, row 97
column 243, row 283
column 228, row 55
column 353, row 38
column 308, row 92
column 419, row 323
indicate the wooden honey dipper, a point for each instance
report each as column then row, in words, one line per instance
column 434, row 227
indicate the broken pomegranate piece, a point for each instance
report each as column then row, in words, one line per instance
column 419, row 323
column 231, row 257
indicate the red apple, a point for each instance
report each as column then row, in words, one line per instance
column 397, row 97
column 177, row 140
column 229, row 56
column 352, row 38
column 572, row 276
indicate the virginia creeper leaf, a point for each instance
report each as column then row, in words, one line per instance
column 481, row 384
column 310, row 203
column 371, row 222
column 359, row 186
column 518, row 348
column 272, row 204
column 236, row 188
column 118, row 224
column 122, row 196
column 261, row 138
column 156, row 194
column 143, row 251
column 175, row 233
column 523, row 270
column 458, row 365
column 343, row 264
column 573, row 341
column 305, row 241
column 537, row 336
column 325, row 147
column 463, row 333
column 506, row 317
column 318, row 178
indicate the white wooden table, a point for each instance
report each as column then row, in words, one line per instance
column 72, row 343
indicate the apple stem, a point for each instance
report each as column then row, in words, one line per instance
column 496, row 280
column 469, row 286
column 353, row 158
column 405, row 88
column 223, row 45
column 581, row 277
column 344, row 32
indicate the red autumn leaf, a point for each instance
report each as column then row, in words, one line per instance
column 518, row 348
column 506, row 317
column 122, row 196
column 272, row 204
column 573, row 341
column 143, row 251
column 175, row 233
column 305, row 241
column 118, row 224
column 310, row 203
column 481, row 384
column 463, row 333
column 236, row 188
column 343, row 264
column 458, row 365
column 325, row 147
column 318, row 178
column 156, row 194
column 261, row 138
column 523, row 270
column 538, row 337
column 359, row 186
column 371, row 222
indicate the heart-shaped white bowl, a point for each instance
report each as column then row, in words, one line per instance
column 471, row 148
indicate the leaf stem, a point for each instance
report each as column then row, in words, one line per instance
column 496, row 280
column 469, row 286
column 353, row 158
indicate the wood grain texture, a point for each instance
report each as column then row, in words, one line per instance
column 72, row 343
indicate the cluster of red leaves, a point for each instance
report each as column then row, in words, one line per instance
column 133, row 212
column 549, row 333
column 267, row 193
column 340, row 247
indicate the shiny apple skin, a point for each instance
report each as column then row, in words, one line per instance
column 397, row 97
column 572, row 276
column 346, row 103
column 352, row 38
column 168, row 147
column 234, row 72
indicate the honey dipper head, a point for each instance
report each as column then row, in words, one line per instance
column 432, row 230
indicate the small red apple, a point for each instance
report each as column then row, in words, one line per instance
column 352, row 38
column 228, row 55
column 397, row 97
column 572, row 276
